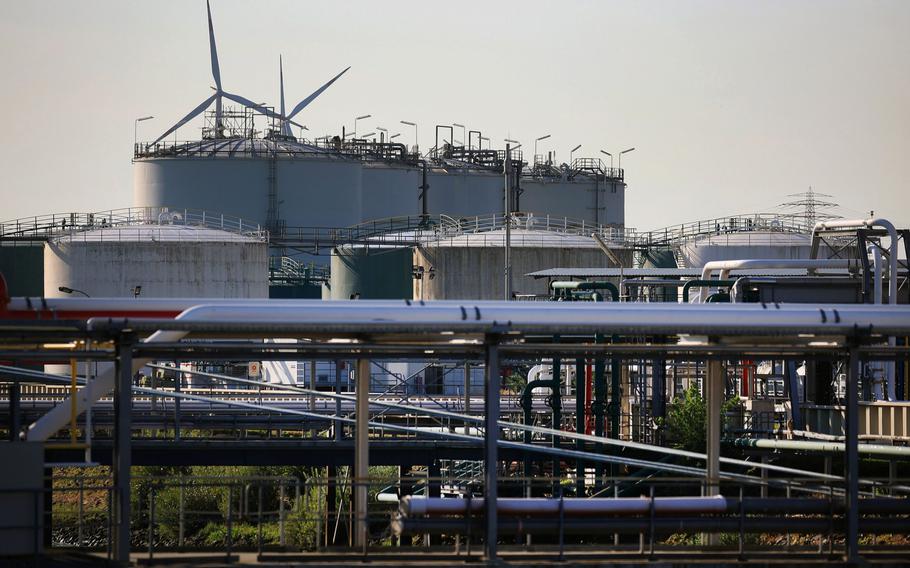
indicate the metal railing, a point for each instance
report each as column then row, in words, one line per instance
column 276, row 514
column 766, row 222
column 43, row 227
column 392, row 231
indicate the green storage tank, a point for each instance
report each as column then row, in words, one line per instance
column 22, row 265
column 371, row 273
column 661, row 259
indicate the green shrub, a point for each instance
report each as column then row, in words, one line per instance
column 243, row 535
column 686, row 421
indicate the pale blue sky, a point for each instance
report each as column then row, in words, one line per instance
column 730, row 104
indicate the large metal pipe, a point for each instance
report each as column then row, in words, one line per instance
column 699, row 283
column 569, row 507
column 870, row 223
column 362, row 454
column 579, row 436
column 778, row 524
column 411, row 506
column 725, row 266
column 344, row 317
column 570, row 454
column 265, row 319
column 587, row 285
column 893, row 253
column 826, row 447
column 56, row 418
column 877, row 299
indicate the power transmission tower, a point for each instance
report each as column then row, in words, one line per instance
column 813, row 208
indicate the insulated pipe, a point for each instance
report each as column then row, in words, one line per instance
column 657, row 526
column 700, row 283
column 877, row 264
column 266, row 319
column 410, row 506
column 55, row 419
column 580, row 436
column 892, row 269
column 725, row 266
column 568, row 507
column 590, row 285
column 826, row 447
column 445, row 433
column 347, row 318
column 870, row 223
column 877, row 299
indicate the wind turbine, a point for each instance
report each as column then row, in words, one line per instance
column 286, row 121
column 219, row 92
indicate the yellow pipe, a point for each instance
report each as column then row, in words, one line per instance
column 73, row 407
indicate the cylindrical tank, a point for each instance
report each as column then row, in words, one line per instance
column 22, row 266
column 472, row 266
column 660, row 259
column 745, row 244
column 314, row 188
column 163, row 261
column 318, row 187
column 370, row 273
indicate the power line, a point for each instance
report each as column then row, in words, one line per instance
column 814, row 208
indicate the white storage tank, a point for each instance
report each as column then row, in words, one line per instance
column 742, row 245
column 157, row 260
column 471, row 266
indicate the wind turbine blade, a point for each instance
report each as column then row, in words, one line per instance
column 216, row 71
column 250, row 104
column 285, row 127
column 297, row 124
column 302, row 104
column 193, row 113
column 281, row 76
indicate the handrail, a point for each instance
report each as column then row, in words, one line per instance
column 771, row 222
column 402, row 230
column 43, row 227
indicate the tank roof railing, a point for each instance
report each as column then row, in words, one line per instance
column 373, row 151
column 416, row 229
column 44, row 227
column 767, row 222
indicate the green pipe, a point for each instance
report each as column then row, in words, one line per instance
column 718, row 298
column 591, row 285
column 527, row 401
column 592, row 295
column 698, row 283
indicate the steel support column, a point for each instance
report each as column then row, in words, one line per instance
column 580, row 403
column 851, row 458
column 491, row 439
column 714, row 400
column 599, row 406
column 15, row 420
column 793, row 391
column 467, row 396
column 122, row 458
column 337, row 427
column 361, row 453
column 615, row 398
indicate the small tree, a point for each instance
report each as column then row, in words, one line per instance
column 686, row 421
